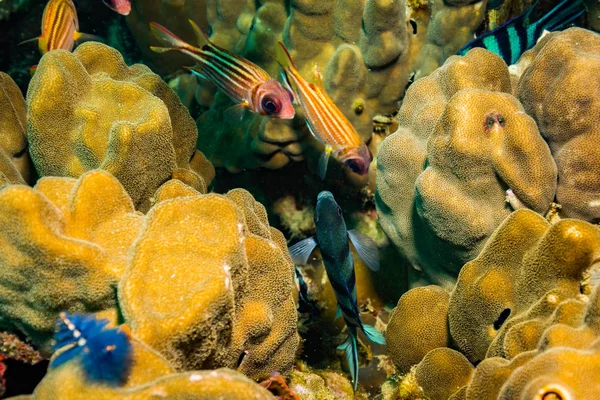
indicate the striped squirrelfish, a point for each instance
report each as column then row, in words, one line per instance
column 518, row 35
column 332, row 238
column 122, row 7
column 60, row 27
column 325, row 121
column 248, row 85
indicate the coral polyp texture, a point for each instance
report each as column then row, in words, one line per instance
column 151, row 376
column 463, row 140
column 201, row 278
column 557, row 90
column 15, row 164
column 364, row 51
column 524, row 312
column 88, row 110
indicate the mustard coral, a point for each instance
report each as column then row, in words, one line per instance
column 521, row 311
column 442, row 176
column 210, row 267
column 88, row 110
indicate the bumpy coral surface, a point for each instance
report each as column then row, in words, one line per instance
column 89, row 110
column 151, row 376
column 524, row 309
column 232, row 280
column 203, row 279
column 442, row 177
column 15, row 164
column 559, row 92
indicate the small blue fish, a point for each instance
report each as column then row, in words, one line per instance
column 105, row 354
column 518, row 35
column 332, row 238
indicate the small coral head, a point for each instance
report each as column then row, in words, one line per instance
column 273, row 100
column 357, row 159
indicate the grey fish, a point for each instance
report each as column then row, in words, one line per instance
column 332, row 238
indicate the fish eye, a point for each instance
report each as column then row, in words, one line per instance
column 339, row 211
column 353, row 166
column 270, row 106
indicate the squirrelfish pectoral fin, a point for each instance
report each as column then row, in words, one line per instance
column 373, row 334
column 350, row 347
column 323, row 160
column 366, row 248
column 235, row 112
column 86, row 37
column 301, row 250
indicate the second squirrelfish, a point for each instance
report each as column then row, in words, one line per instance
column 123, row 7
column 332, row 238
column 325, row 121
column 60, row 26
column 244, row 82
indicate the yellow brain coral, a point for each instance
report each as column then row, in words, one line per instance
column 64, row 247
column 443, row 176
column 201, row 278
column 231, row 280
column 15, row 164
column 88, row 110
column 525, row 311
column 559, row 91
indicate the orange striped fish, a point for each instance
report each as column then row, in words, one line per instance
column 325, row 121
column 248, row 85
column 60, row 27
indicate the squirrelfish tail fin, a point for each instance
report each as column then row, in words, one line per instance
column 201, row 36
column 283, row 57
column 564, row 13
column 168, row 39
column 350, row 347
column 373, row 334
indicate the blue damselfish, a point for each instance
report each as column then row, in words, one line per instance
column 518, row 35
column 105, row 354
column 332, row 238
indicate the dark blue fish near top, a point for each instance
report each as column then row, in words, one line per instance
column 105, row 354
column 332, row 238
column 518, row 35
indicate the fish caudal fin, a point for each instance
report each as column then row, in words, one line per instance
column 35, row 39
column 168, row 39
column 373, row 334
column 201, row 37
column 323, row 160
column 350, row 347
column 564, row 13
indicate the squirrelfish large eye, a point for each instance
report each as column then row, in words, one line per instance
column 271, row 106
